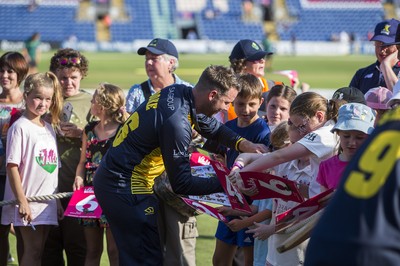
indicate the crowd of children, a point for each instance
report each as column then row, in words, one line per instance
column 311, row 140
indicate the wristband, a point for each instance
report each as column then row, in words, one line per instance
column 238, row 165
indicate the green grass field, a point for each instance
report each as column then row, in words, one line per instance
column 124, row 70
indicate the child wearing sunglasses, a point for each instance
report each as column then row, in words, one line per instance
column 313, row 116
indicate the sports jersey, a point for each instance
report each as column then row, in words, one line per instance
column 371, row 77
column 136, row 96
column 158, row 135
column 257, row 132
column 361, row 224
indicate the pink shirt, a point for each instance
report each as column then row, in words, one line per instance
column 330, row 172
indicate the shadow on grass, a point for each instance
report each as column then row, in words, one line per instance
column 205, row 237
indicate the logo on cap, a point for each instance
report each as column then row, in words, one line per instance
column 255, row 46
column 338, row 95
column 153, row 42
column 386, row 29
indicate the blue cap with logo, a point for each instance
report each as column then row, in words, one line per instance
column 355, row 116
column 159, row 46
column 248, row 50
column 385, row 31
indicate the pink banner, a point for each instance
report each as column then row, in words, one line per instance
column 199, row 159
column 271, row 186
column 83, row 204
column 204, row 208
column 303, row 210
column 236, row 198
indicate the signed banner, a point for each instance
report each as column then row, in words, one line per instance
column 236, row 198
column 271, row 186
column 207, row 171
column 303, row 210
column 204, row 208
column 198, row 159
column 83, row 204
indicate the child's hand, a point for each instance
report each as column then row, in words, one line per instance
column 25, row 211
column 78, row 183
column 262, row 231
column 225, row 211
column 236, row 225
column 250, row 191
column 234, row 175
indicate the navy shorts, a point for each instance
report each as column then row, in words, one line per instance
column 239, row 238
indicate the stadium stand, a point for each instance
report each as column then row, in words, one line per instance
column 319, row 20
column 309, row 20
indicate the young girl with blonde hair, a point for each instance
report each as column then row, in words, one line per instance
column 32, row 163
column 108, row 105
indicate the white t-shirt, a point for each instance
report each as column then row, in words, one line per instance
column 295, row 256
column 323, row 144
column 34, row 150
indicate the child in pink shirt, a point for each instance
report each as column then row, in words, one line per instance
column 355, row 123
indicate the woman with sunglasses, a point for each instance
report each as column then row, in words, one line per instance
column 70, row 67
column 314, row 117
column 13, row 70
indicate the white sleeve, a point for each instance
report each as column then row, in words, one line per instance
column 321, row 142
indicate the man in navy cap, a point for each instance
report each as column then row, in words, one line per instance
column 161, row 60
column 179, row 241
column 384, row 72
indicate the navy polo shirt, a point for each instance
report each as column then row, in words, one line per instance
column 371, row 77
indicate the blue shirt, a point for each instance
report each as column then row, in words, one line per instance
column 135, row 95
column 256, row 132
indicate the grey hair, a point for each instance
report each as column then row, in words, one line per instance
column 175, row 65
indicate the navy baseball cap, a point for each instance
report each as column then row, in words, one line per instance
column 248, row 50
column 159, row 46
column 385, row 31
column 350, row 95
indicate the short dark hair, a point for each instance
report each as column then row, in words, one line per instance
column 16, row 61
column 218, row 77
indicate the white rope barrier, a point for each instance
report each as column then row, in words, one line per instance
column 39, row 198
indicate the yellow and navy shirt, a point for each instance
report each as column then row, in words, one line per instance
column 361, row 224
column 158, row 135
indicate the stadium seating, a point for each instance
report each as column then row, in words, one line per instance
column 139, row 25
column 312, row 20
column 315, row 20
column 227, row 25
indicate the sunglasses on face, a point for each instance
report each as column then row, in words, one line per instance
column 300, row 128
column 73, row 60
